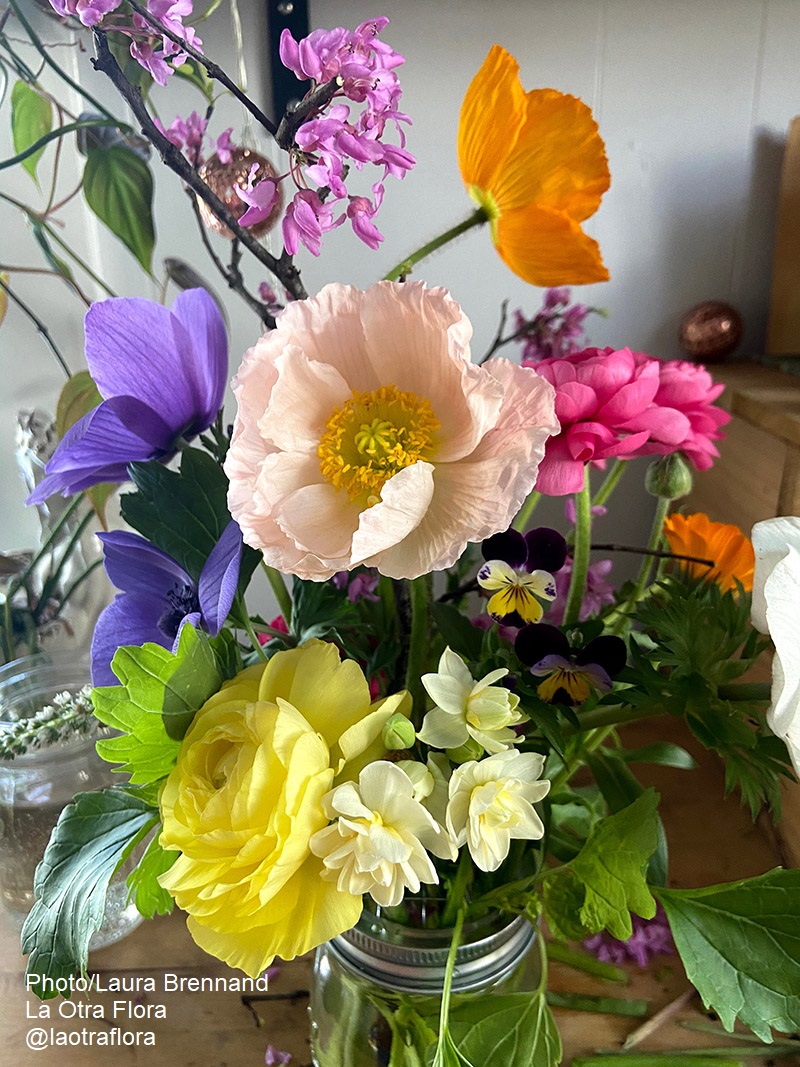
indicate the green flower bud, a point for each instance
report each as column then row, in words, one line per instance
column 470, row 750
column 398, row 733
column 669, row 477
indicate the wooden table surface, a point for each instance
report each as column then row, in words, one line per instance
column 711, row 840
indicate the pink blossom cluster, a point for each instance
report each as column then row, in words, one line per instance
column 618, row 403
column 650, row 937
column 154, row 51
column 340, row 138
column 189, row 135
column 555, row 330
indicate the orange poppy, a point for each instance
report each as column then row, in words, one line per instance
column 725, row 544
column 536, row 165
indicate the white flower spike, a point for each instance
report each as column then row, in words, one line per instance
column 469, row 709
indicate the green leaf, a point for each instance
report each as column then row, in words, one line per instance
column 118, row 186
column 149, row 897
column 194, row 72
column 457, row 631
column 56, row 263
column 516, row 1030
column 563, row 895
column 662, row 753
column 31, row 119
column 740, row 945
column 158, row 697
column 318, row 609
column 91, row 837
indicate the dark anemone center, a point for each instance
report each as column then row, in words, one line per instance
column 181, row 600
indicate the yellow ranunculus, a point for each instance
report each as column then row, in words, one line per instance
column 246, row 796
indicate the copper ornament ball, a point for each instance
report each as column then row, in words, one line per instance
column 222, row 178
column 710, row 331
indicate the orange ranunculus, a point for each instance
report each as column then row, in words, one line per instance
column 732, row 552
column 536, row 165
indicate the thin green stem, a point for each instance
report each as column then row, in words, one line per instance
column 458, row 888
column 76, row 258
column 40, row 327
column 50, row 586
column 593, row 741
column 76, row 585
column 281, row 593
column 54, row 135
column 40, row 47
column 248, row 626
column 582, row 961
column 444, row 1010
column 525, row 512
column 405, row 266
column 610, row 482
column 580, row 552
column 613, row 716
column 419, row 595
column 643, row 578
column 69, row 511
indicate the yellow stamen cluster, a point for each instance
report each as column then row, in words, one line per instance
column 374, row 435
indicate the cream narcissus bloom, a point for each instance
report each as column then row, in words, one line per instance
column 378, row 842
column 491, row 802
column 469, row 709
column 246, row 797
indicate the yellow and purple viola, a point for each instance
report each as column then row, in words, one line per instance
column 569, row 675
column 518, row 572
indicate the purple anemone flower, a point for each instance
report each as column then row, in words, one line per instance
column 158, row 596
column 519, row 573
column 569, row 675
column 162, row 374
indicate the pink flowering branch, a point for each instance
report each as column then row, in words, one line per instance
column 283, row 268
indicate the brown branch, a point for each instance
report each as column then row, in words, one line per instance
column 316, row 100
column 212, row 69
column 283, row 268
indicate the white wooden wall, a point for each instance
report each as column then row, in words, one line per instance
column 693, row 98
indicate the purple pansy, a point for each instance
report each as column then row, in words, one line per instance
column 162, row 374
column 519, row 573
column 569, row 675
column 158, row 596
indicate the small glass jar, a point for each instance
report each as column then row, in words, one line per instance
column 35, row 787
column 375, row 983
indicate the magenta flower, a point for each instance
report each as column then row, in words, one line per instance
column 89, row 12
column 275, row 1056
column 601, row 396
column 598, row 594
column 361, row 586
column 555, row 331
column 650, row 937
column 305, row 221
column 361, row 211
column 260, row 197
column 162, row 374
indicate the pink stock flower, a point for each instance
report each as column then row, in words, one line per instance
column 600, row 397
column 597, row 595
column 556, row 330
column 364, row 435
column 305, row 221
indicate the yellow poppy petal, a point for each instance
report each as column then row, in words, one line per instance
column 492, row 116
column 558, row 161
column 547, row 248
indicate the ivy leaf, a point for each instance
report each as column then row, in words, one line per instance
column 31, row 118
column 740, row 945
column 516, row 1030
column 118, row 186
column 92, row 836
column 158, row 697
column 149, row 897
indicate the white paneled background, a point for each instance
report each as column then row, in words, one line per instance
column 693, row 98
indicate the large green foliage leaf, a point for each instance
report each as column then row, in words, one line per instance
column 91, row 837
column 118, row 186
column 149, row 897
column 740, row 945
column 31, row 119
column 611, row 868
column 159, row 694
column 517, row 1030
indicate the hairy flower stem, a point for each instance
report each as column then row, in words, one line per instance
column 610, row 482
column 405, row 266
column 580, row 552
column 420, row 597
column 642, row 581
column 526, row 511
column 281, row 593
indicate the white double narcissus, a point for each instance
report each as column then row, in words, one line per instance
column 491, row 802
column 776, row 595
column 469, row 709
column 378, row 842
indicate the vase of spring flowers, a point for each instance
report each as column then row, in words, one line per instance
column 389, row 771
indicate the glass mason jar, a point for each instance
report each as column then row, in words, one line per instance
column 382, row 982
column 35, row 787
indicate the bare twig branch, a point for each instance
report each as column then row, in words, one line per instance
column 40, row 327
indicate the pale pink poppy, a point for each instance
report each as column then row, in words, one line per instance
column 365, row 435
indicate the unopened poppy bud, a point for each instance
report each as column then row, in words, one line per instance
column 398, row 733
column 669, row 477
column 470, row 750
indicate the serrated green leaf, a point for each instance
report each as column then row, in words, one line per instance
column 516, row 1030
column 31, row 118
column 158, row 697
column 118, row 186
column 149, row 897
column 91, row 837
column 740, row 945
column 563, row 895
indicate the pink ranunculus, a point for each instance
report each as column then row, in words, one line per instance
column 689, row 422
column 364, row 435
column 600, row 396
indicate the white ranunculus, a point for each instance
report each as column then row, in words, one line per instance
column 776, row 598
column 466, row 708
column 491, row 802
